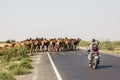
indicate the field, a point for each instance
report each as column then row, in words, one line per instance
column 110, row 46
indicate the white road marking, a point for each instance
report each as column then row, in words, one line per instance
column 54, row 67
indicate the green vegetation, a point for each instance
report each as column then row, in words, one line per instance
column 14, row 61
column 113, row 46
column 27, row 59
column 13, row 66
column 20, row 68
column 85, row 43
column 20, row 71
column 14, row 54
column 6, row 76
column 9, row 41
column 26, row 64
column 109, row 45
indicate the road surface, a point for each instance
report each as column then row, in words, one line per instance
column 73, row 65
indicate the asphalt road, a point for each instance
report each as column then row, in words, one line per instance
column 73, row 65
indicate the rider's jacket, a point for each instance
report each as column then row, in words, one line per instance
column 91, row 46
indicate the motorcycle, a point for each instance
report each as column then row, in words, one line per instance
column 95, row 60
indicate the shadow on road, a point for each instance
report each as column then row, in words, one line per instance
column 104, row 66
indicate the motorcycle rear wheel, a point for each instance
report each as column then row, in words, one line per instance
column 94, row 63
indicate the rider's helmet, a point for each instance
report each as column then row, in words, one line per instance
column 93, row 40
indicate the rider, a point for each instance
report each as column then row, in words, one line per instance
column 92, row 48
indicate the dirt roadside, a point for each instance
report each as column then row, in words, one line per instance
column 35, row 61
column 42, row 69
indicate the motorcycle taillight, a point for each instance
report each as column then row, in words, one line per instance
column 96, row 53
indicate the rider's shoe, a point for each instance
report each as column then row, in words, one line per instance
column 90, row 65
column 90, row 61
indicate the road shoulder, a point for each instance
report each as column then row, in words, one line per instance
column 42, row 69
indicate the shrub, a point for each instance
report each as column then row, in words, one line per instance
column 8, row 54
column 16, row 53
column 20, row 68
column 84, row 43
column 6, row 76
column 107, row 45
column 17, row 58
column 8, row 41
column 26, row 64
column 20, row 71
column 27, row 59
column 13, row 65
column 22, row 51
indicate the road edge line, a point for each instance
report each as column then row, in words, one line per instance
column 54, row 67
